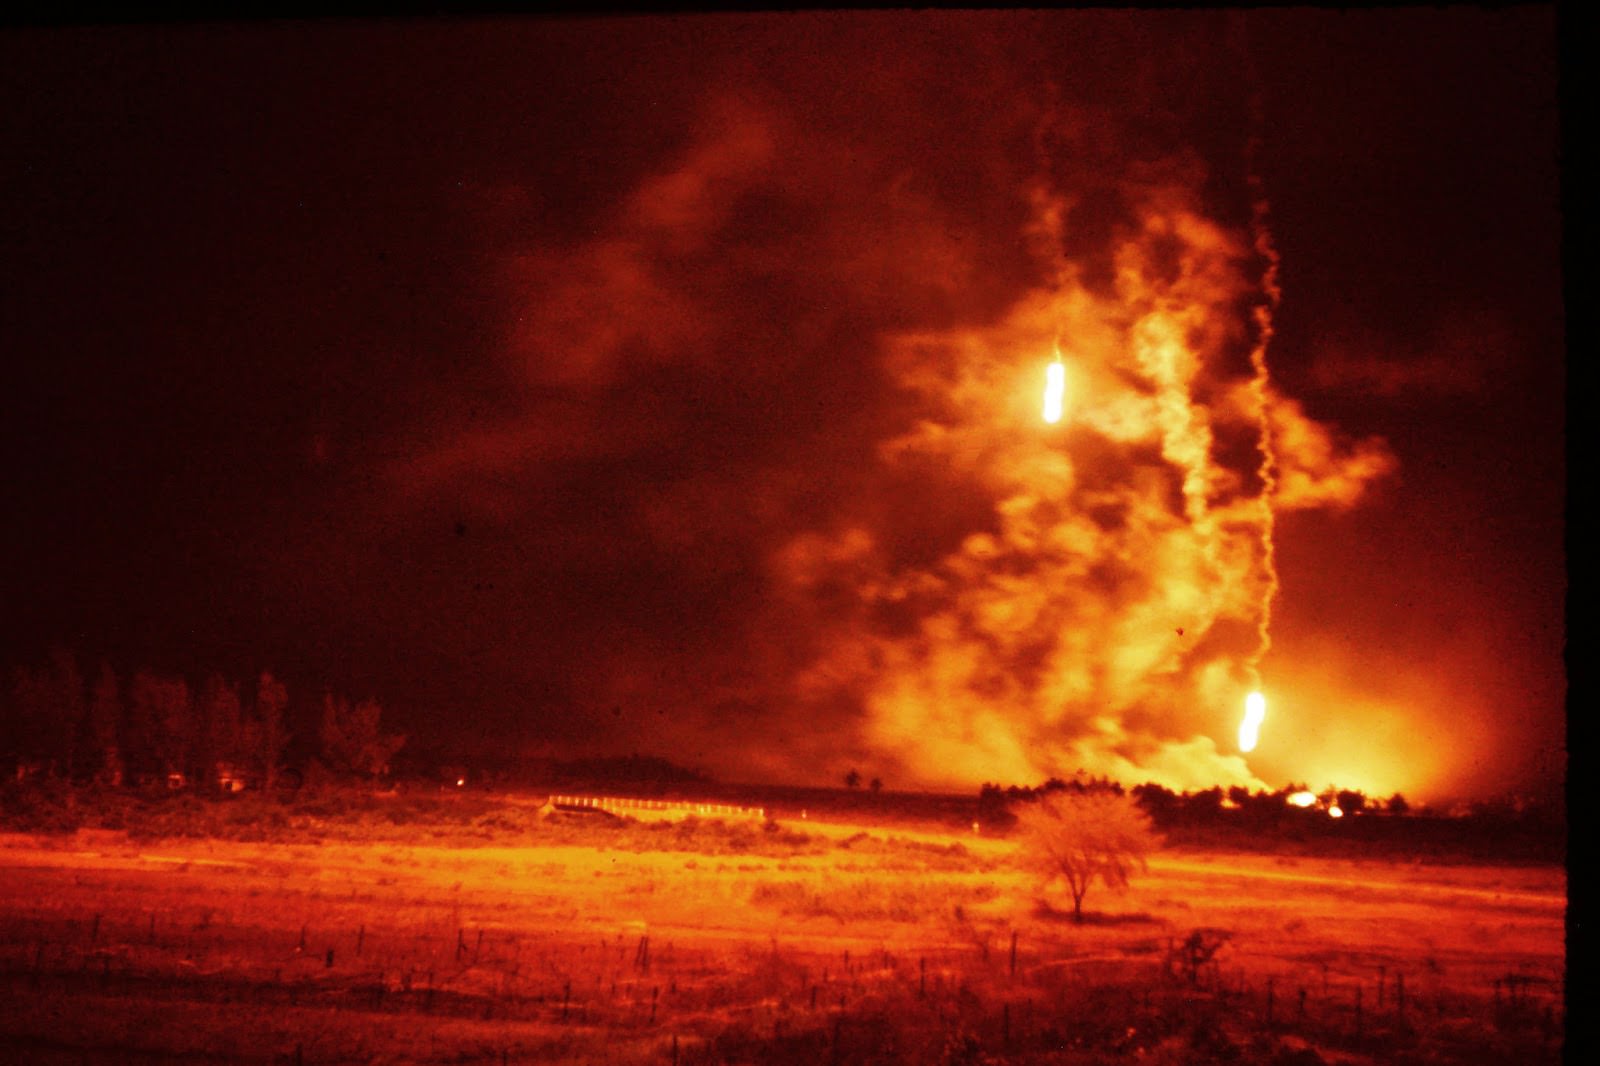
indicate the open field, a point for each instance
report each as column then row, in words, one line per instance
column 511, row 937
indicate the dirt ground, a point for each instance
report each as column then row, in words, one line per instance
column 828, row 943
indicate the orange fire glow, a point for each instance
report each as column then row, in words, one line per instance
column 1118, row 591
column 1302, row 799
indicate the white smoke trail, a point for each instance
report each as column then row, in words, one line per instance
column 1261, row 380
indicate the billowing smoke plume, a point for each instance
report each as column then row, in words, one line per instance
column 799, row 370
column 1103, row 614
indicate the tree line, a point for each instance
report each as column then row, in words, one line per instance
column 152, row 727
column 1202, row 807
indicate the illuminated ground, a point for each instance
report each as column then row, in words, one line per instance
column 528, row 940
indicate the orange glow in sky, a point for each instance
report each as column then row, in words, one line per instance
column 723, row 412
column 1112, row 606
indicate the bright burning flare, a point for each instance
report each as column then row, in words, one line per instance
column 1302, row 799
column 1255, row 709
column 1055, row 387
column 1335, row 811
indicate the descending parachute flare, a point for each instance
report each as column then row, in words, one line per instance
column 1255, row 709
column 1055, row 387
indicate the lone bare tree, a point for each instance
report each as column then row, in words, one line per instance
column 1082, row 837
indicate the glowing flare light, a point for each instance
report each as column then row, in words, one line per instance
column 1255, row 710
column 1302, row 799
column 1055, row 387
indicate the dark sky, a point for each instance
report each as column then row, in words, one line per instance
column 662, row 384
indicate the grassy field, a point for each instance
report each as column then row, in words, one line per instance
column 351, row 928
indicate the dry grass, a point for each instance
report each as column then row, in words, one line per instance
column 476, row 931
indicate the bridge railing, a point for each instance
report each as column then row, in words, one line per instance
column 624, row 804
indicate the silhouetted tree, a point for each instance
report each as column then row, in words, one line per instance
column 170, row 713
column 139, row 729
column 1262, row 807
column 105, row 723
column 1203, row 806
column 267, row 729
column 28, row 721
column 352, row 740
column 1082, row 837
column 993, row 807
column 47, row 714
column 1350, row 800
column 160, row 725
column 876, row 784
column 68, row 706
column 221, row 729
column 1397, row 804
column 852, row 779
column 1158, row 801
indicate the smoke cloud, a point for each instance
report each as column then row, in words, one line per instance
column 807, row 360
column 1099, row 614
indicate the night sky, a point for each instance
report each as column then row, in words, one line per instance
column 663, row 385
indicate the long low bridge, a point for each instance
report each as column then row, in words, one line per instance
column 659, row 808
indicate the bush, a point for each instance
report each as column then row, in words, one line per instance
column 47, row 806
